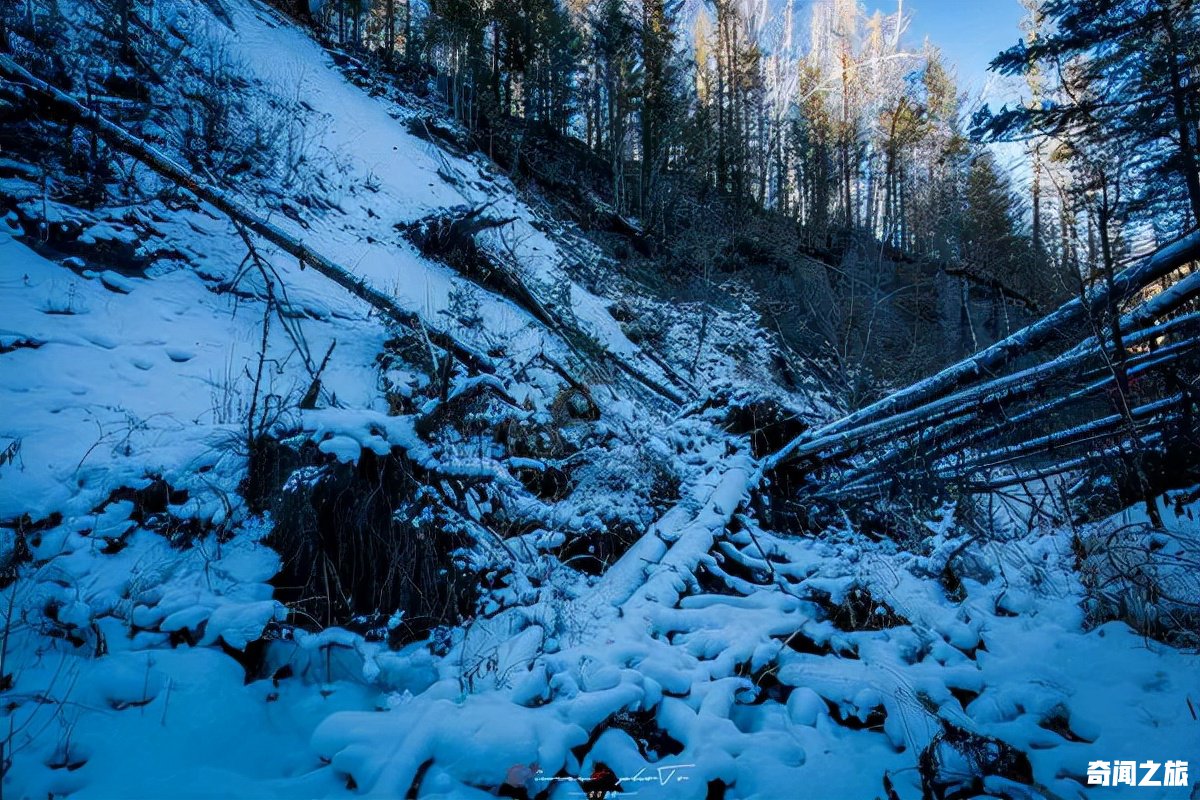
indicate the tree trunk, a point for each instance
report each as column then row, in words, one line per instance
column 1124, row 284
column 1119, row 364
column 390, row 27
column 408, row 30
column 1179, row 94
column 220, row 199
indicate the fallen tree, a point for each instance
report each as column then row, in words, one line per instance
column 1060, row 440
column 120, row 139
column 958, row 427
column 963, row 433
column 450, row 237
column 971, row 401
column 990, row 360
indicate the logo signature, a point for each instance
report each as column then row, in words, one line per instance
column 664, row 774
column 604, row 783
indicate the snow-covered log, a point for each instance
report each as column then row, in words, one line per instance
column 881, row 453
column 963, row 432
column 834, row 440
column 1060, row 467
column 986, row 362
column 658, row 387
column 120, row 139
column 1063, row 439
column 957, row 440
column 659, row 566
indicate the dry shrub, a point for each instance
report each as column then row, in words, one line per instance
column 1146, row 577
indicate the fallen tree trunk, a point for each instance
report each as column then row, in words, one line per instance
column 957, row 430
column 1060, row 467
column 987, row 361
column 1059, row 439
column 472, row 223
column 960, row 433
column 657, row 387
column 968, row 401
column 1136, row 366
column 969, row 275
column 451, row 239
column 867, row 491
column 120, row 139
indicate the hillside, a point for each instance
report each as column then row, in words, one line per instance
column 487, row 512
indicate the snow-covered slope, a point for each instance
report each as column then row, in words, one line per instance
column 706, row 657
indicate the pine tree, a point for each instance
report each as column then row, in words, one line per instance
column 991, row 237
column 610, row 85
column 1128, row 68
column 660, row 104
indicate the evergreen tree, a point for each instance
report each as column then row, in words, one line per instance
column 991, row 238
column 1128, row 68
column 660, row 103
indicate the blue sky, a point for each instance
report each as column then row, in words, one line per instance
column 969, row 32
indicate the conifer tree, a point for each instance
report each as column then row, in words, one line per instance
column 1128, row 71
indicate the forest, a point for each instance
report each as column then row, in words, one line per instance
column 547, row 399
column 738, row 134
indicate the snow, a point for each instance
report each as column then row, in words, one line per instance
column 127, row 621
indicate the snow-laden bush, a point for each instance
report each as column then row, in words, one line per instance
column 1146, row 577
